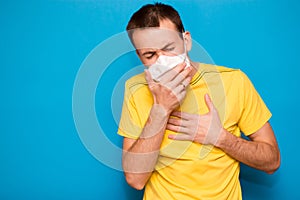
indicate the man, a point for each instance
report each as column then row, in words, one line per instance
column 182, row 125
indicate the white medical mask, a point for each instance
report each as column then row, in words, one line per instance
column 165, row 63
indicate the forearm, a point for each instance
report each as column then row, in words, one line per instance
column 140, row 159
column 140, row 156
column 259, row 155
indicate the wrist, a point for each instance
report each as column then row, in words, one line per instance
column 223, row 137
column 156, row 122
column 160, row 111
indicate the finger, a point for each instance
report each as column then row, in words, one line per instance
column 180, row 96
column 171, row 74
column 177, row 129
column 180, row 67
column 182, row 115
column 178, row 91
column 148, row 76
column 182, row 137
column 177, row 122
column 186, row 81
column 209, row 102
column 150, row 81
column 181, row 86
column 174, row 121
column 182, row 76
column 176, row 114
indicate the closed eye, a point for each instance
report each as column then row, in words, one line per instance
column 170, row 49
column 149, row 55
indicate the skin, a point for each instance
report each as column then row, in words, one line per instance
column 140, row 155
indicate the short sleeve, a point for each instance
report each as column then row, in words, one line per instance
column 130, row 124
column 254, row 111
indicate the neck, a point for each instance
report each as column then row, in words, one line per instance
column 195, row 67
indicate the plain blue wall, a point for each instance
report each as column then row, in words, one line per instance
column 42, row 46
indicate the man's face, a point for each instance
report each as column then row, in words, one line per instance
column 150, row 43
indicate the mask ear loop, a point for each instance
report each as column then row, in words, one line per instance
column 184, row 43
column 186, row 60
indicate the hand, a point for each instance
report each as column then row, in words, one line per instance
column 170, row 91
column 203, row 129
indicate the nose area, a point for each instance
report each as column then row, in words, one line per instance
column 159, row 52
column 163, row 53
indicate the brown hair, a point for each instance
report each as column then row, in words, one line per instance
column 149, row 16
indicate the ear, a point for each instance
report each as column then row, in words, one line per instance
column 188, row 40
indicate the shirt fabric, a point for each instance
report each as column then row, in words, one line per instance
column 188, row 170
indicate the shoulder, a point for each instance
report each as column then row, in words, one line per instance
column 229, row 78
column 226, row 73
column 136, row 81
column 216, row 69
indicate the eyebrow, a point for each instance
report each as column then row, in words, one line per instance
column 164, row 48
column 167, row 46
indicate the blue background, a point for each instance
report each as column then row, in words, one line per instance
column 42, row 46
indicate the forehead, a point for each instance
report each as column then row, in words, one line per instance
column 155, row 37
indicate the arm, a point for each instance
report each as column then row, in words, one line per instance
column 261, row 152
column 140, row 156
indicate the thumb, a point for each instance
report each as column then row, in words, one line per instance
column 148, row 76
column 149, row 79
column 209, row 103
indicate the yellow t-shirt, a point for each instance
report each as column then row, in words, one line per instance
column 188, row 170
